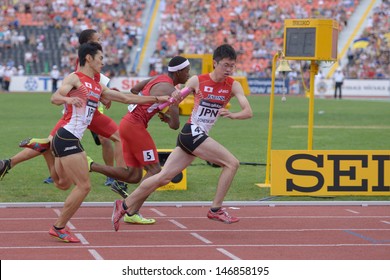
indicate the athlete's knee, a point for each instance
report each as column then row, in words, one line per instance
column 133, row 176
column 164, row 179
column 104, row 141
column 62, row 185
column 152, row 169
column 233, row 163
column 84, row 187
column 115, row 136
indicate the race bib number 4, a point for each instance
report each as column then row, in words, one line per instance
column 196, row 130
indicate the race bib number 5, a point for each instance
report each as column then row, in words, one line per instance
column 90, row 109
column 148, row 155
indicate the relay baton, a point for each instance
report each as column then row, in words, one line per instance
column 183, row 93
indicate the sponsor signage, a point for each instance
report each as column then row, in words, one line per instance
column 330, row 173
column 263, row 86
column 354, row 88
column 323, row 87
column 31, row 84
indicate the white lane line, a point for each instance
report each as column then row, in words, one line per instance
column 69, row 246
column 70, row 225
column 158, row 212
column 228, row 254
column 82, row 238
column 207, row 230
column 202, row 217
column 352, row 211
column 57, row 211
column 201, row 238
column 178, row 224
column 386, row 222
column 95, row 254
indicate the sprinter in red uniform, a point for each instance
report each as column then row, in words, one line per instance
column 139, row 149
column 212, row 93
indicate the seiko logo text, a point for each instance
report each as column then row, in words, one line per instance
column 345, row 172
column 301, row 22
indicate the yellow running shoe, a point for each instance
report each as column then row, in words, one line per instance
column 138, row 219
column 90, row 161
column 37, row 144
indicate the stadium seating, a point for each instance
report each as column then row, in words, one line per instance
column 254, row 28
column 56, row 24
column 372, row 59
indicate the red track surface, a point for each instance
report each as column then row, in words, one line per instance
column 264, row 233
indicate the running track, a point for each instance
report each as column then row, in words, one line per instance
column 182, row 232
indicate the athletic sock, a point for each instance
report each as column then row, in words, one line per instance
column 124, row 205
column 215, row 209
column 57, row 228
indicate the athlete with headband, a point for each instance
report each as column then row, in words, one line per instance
column 139, row 149
column 212, row 93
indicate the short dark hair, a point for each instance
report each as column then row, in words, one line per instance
column 86, row 35
column 85, row 49
column 224, row 51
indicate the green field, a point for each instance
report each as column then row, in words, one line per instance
column 339, row 125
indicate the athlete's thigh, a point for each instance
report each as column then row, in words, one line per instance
column 177, row 161
column 76, row 167
column 138, row 146
column 211, row 150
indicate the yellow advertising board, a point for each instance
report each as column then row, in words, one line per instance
column 179, row 182
column 330, row 172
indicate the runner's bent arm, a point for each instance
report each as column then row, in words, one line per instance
column 140, row 86
column 172, row 116
column 59, row 97
column 246, row 110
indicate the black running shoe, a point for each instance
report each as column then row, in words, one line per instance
column 120, row 188
column 5, row 165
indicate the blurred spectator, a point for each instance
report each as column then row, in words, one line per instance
column 8, row 73
column 55, row 76
column 372, row 60
column 20, row 70
column 338, row 78
column 2, row 72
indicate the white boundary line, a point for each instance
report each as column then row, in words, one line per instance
column 204, row 203
column 201, row 238
column 95, row 254
column 179, row 225
column 352, row 211
column 292, row 230
column 199, row 246
column 228, row 254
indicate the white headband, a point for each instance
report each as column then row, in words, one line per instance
column 179, row 67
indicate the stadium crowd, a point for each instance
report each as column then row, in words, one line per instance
column 372, row 59
column 118, row 21
column 254, row 28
